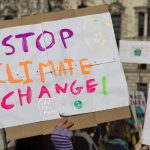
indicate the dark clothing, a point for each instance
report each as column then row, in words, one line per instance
column 61, row 139
column 35, row 143
column 114, row 147
column 117, row 144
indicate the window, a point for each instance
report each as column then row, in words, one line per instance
column 141, row 24
column 8, row 17
column 143, row 66
column 116, row 20
column 82, row 5
column 143, row 87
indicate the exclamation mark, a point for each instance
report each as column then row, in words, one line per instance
column 104, row 86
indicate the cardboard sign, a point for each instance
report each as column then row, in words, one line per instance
column 133, row 109
column 140, row 104
column 138, row 108
column 134, row 51
column 146, row 130
column 61, row 68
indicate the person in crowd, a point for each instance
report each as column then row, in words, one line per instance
column 63, row 139
column 139, row 146
column 41, row 142
column 119, row 135
column 61, row 135
column 83, row 134
column 60, row 139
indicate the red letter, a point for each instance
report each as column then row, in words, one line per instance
column 28, row 95
column 78, row 89
column 24, row 40
column 90, row 87
column 59, row 88
column 43, row 91
column 38, row 44
column 139, row 102
column 70, row 34
column 4, row 43
column 3, row 103
column 143, row 103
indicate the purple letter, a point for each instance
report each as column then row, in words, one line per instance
column 70, row 34
column 4, row 43
column 38, row 44
column 24, row 40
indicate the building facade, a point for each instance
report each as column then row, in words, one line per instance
column 131, row 20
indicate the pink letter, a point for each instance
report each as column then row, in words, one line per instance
column 4, row 43
column 143, row 103
column 28, row 95
column 59, row 88
column 24, row 40
column 38, row 44
column 90, row 87
column 43, row 91
column 70, row 34
column 3, row 103
column 78, row 89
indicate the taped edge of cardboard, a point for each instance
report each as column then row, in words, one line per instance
column 81, row 121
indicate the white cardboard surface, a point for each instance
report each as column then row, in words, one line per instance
column 134, row 51
column 94, row 41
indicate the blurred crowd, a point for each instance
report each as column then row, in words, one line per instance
column 116, row 135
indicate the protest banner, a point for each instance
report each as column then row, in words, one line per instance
column 146, row 129
column 62, row 67
column 138, row 108
column 134, row 51
column 133, row 109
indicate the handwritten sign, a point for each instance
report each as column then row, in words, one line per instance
column 146, row 130
column 133, row 109
column 138, row 108
column 134, row 51
column 64, row 67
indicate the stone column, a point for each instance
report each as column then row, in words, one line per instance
column 71, row 4
column 145, row 23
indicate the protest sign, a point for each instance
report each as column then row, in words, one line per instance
column 133, row 108
column 138, row 108
column 146, row 129
column 61, row 68
column 134, row 51
column 140, row 104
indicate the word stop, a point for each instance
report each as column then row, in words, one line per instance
column 24, row 37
